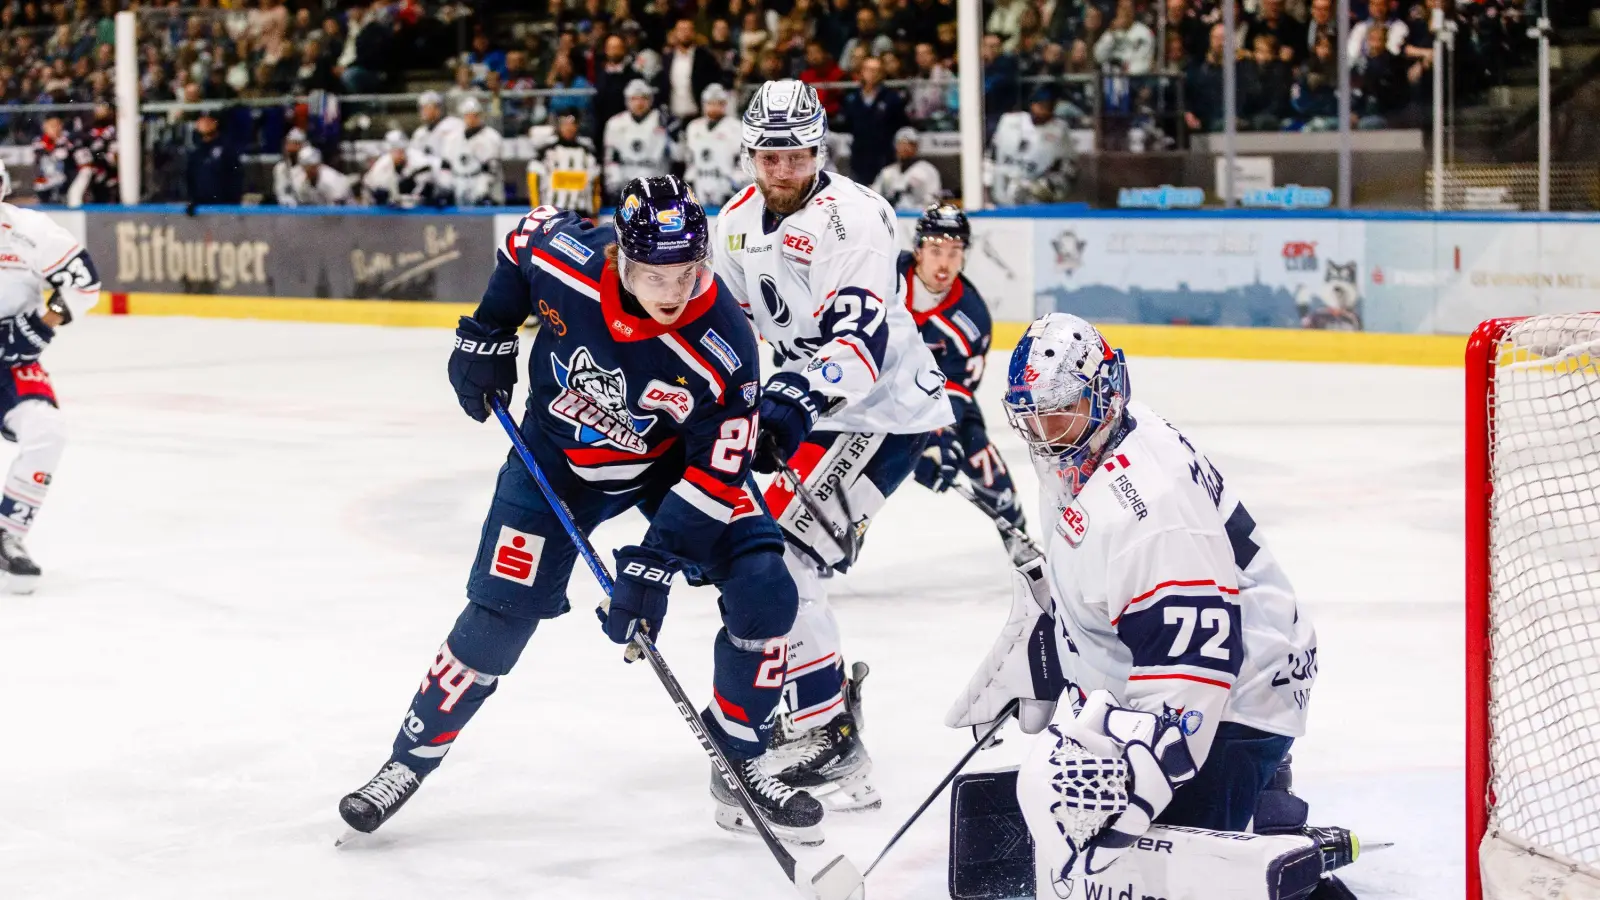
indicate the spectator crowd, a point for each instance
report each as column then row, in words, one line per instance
column 644, row 85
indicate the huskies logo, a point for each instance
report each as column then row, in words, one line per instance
column 595, row 400
column 775, row 305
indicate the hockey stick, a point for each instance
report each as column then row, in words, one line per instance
column 843, row 537
column 1005, row 715
column 1001, row 523
column 839, row 879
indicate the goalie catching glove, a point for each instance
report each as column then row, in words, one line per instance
column 1098, row 780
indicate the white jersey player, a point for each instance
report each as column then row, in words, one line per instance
column 399, row 176
column 283, row 169
column 635, row 143
column 711, row 149
column 811, row 257
column 47, row 280
column 314, row 184
column 434, row 136
column 473, row 156
column 1030, row 157
column 566, row 174
column 909, row 183
column 1185, row 660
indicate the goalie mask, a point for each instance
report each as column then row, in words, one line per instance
column 663, row 244
column 1066, row 390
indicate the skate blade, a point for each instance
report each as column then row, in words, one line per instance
column 21, row 584
column 350, row 834
column 733, row 819
column 854, row 793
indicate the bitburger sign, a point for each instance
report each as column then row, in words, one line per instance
column 354, row 257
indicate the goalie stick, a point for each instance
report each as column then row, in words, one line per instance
column 839, row 879
column 982, row 742
column 1001, row 523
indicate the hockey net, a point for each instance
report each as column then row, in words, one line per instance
column 1533, row 601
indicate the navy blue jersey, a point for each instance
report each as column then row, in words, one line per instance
column 958, row 331
column 619, row 402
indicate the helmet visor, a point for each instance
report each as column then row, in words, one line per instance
column 664, row 288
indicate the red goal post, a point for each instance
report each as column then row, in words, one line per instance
column 1533, row 608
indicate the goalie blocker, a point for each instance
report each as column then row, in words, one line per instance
column 992, row 855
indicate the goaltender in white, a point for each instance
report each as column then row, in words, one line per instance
column 1183, row 664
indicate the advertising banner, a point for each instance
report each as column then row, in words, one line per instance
column 1264, row 272
column 423, row 257
column 1446, row 277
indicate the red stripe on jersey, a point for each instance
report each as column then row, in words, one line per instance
column 796, row 670
column 957, row 389
column 716, row 379
column 833, row 705
column 742, row 198
column 511, row 246
column 1169, row 584
column 1176, row 677
column 574, row 273
column 730, row 709
column 966, row 346
column 865, row 359
column 709, row 484
column 779, row 494
column 595, row 456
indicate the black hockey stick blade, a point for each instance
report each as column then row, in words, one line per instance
column 1005, row 715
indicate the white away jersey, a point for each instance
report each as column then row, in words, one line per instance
column 474, row 158
column 435, row 139
column 909, row 188
column 37, row 256
column 332, row 187
column 711, row 159
column 1023, row 152
column 635, row 148
column 1164, row 593
column 820, row 286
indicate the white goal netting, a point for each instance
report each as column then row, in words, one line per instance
column 1544, row 612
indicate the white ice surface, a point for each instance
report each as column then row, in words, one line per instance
column 261, row 533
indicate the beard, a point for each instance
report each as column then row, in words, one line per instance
column 785, row 201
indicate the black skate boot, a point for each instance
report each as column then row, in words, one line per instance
column 22, row 572
column 830, row 762
column 793, row 815
column 369, row 806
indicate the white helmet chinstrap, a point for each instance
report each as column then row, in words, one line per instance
column 786, row 115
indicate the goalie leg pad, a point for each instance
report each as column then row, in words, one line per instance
column 990, row 857
column 1223, row 796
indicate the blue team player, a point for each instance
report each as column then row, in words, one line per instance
column 642, row 381
column 955, row 325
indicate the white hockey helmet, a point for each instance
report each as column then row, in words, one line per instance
column 786, row 115
column 430, row 98
column 395, row 139
column 638, row 87
column 1066, row 390
column 468, row 106
column 714, row 93
column 309, row 156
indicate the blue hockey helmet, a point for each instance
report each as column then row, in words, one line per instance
column 1066, row 391
column 944, row 221
column 662, row 233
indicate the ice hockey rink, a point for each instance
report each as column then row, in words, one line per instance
column 261, row 532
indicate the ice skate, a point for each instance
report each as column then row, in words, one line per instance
column 21, row 571
column 830, row 762
column 369, row 806
column 793, row 815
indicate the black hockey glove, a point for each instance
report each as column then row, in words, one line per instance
column 940, row 461
column 483, row 364
column 639, row 595
column 789, row 409
column 24, row 338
